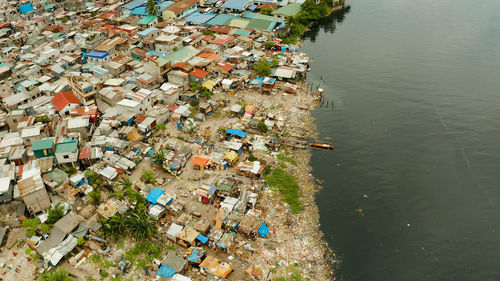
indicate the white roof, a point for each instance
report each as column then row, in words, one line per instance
column 227, row 82
column 30, row 132
column 109, row 172
column 174, row 230
column 285, row 72
column 128, row 103
column 78, row 122
column 167, row 86
column 4, row 184
column 114, row 82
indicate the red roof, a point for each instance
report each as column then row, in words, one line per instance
column 62, row 99
column 172, row 107
column 199, row 73
column 222, row 39
column 85, row 152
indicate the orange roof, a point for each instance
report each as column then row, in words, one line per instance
column 225, row 66
column 80, row 111
column 181, row 6
column 108, row 15
column 62, row 99
column 199, row 73
column 85, row 152
column 200, row 161
column 210, row 56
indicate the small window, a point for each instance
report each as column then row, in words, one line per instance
column 66, row 156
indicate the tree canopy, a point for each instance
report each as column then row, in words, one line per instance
column 151, row 8
column 262, row 67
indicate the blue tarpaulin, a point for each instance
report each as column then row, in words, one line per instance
column 236, row 132
column 154, row 195
column 24, row 9
column 165, row 271
column 202, row 239
column 252, row 7
column 263, row 230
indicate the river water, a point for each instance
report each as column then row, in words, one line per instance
column 412, row 190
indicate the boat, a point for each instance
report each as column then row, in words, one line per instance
column 322, row 145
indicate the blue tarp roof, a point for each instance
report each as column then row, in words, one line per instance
column 97, row 54
column 263, row 230
column 202, row 239
column 195, row 256
column 133, row 4
column 198, row 17
column 252, row 7
column 157, row 53
column 26, row 8
column 166, row 271
column 154, row 195
column 235, row 4
column 147, row 31
column 236, row 132
column 220, row 19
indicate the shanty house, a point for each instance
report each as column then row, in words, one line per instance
column 43, row 148
column 64, row 102
column 33, row 192
column 67, row 152
column 180, row 9
column 6, row 189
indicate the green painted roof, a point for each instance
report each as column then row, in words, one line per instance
column 49, row 6
column 66, row 147
column 289, row 10
column 259, row 24
column 162, row 61
column 146, row 20
column 42, row 144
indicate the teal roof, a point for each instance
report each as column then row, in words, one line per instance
column 66, row 147
column 289, row 10
column 49, row 6
column 183, row 54
column 42, row 144
column 146, row 20
column 242, row 32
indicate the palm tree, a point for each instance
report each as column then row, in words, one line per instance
column 159, row 158
column 124, row 182
column 140, row 225
column 152, row 9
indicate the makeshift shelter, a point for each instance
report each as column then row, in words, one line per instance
column 165, row 271
column 236, row 132
column 173, row 231
column 187, row 237
column 231, row 157
column 200, row 162
column 154, row 195
column 226, row 240
column 195, row 254
column 206, row 192
column 175, row 262
column 211, row 264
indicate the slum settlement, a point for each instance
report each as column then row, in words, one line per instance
column 155, row 140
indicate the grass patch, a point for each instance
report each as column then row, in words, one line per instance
column 284, row 158
column 148, row 250
column 288, row 187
